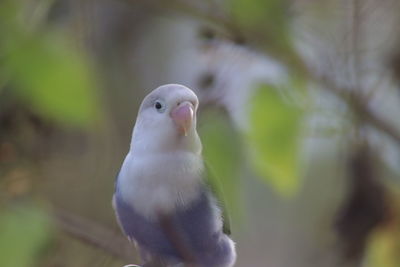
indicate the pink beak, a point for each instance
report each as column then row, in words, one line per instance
column 182, row 115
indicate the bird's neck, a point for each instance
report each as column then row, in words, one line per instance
column 155, row 143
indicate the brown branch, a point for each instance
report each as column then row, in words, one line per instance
column 95, row 235
column 359, row 104
column 107, row 240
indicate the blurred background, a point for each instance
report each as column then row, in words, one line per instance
column 299, row 118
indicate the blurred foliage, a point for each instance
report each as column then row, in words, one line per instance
column 41, row 68
column 384, row 247
column 25, row 232
column 384, row 244
column 266, row 22
column 45, row 69
column 267, row 16
column 222, row 152
column 274, row 123
column 50, row 73
column 274, row 139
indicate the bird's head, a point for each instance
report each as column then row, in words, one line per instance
column 167, row 120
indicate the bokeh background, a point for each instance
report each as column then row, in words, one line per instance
column 299, row 117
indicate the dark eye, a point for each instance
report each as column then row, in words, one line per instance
column 159, row 106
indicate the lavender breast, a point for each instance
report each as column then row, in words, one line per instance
column 192, row 232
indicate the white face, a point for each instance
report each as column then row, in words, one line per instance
column 167, row 120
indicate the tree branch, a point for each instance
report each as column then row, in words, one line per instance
column 359, row 104
column 95, row 235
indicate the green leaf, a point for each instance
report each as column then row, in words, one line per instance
column 384, row 242
column 266, row 18
column 50, row 74
column 55, row 79
column 24, row 233
column 222, row 152
column 274, row 139
column 253, row 12
column 383, row 247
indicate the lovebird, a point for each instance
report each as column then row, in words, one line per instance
column 164, row 200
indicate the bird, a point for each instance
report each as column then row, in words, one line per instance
column 164, row 199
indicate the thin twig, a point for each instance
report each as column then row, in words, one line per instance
column 95, row 235
column 359, row 104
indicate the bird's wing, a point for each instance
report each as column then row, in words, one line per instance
column 215, row 186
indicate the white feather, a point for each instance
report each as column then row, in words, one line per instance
column 163, row 170
column 161, row 182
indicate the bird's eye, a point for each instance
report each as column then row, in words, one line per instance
column 159, row 106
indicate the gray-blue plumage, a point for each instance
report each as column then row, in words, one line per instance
column 192, row 224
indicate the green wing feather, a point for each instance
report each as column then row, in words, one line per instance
column 215, row 186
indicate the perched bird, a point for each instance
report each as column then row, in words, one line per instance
column 163, row 199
